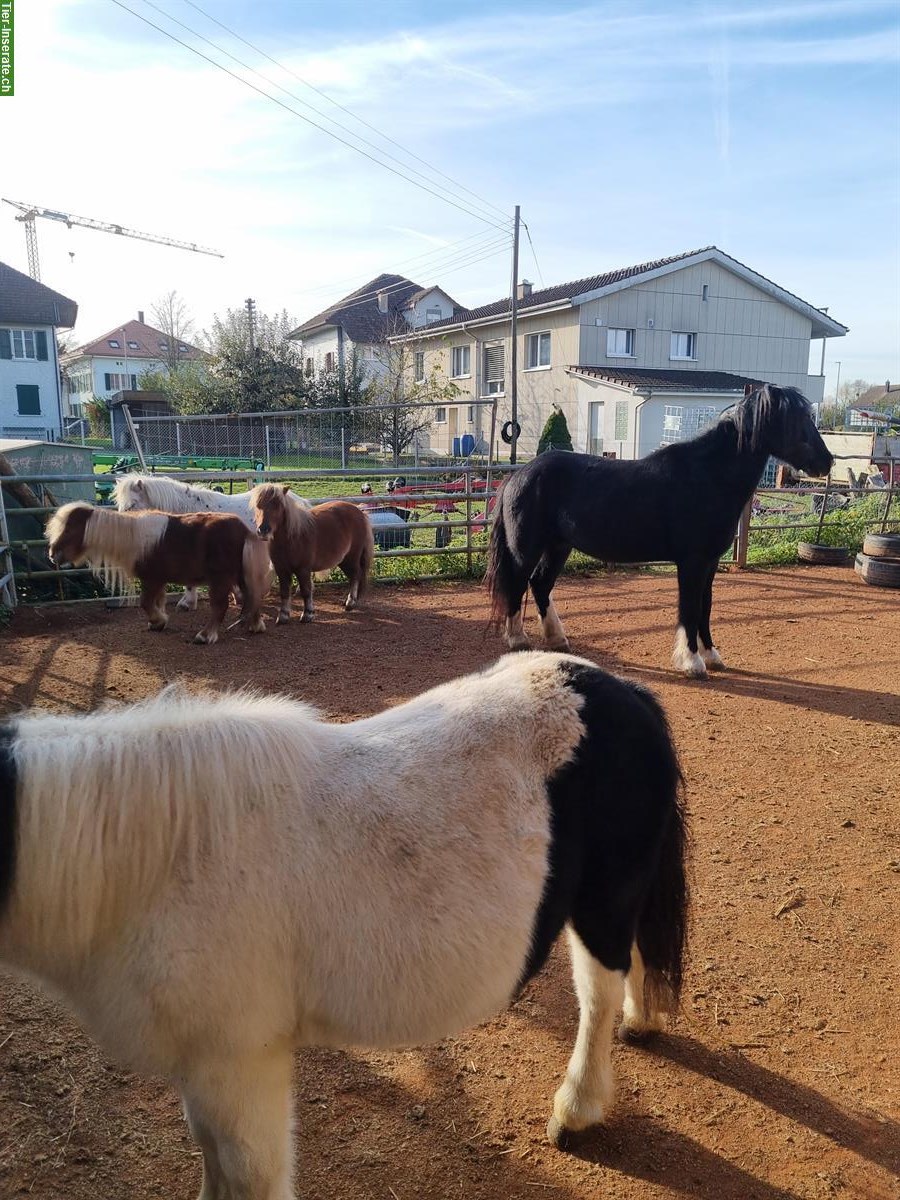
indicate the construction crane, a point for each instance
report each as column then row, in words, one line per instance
column 28, row 213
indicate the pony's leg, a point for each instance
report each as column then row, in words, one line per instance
column 638, row 1022
column 354, row 568
column 240, row 1116
column 284, row 588
column 516, row 637
column 305, row 588
column 708, row 652
column 219, row 595
column 188, row 601
column 586, row 1093
column 685, row 656
column 153, row 602
column 542, row 581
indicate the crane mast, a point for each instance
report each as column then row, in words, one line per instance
column 29, row 212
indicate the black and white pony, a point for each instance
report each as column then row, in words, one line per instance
column 680, row 504
column 212, row 884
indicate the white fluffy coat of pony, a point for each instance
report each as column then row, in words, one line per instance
column 212, row 884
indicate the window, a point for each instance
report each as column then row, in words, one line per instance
column 162, row 345
column 620, row 343
column 440, row 415
column 432, row 315
column 420, row 366
column 684, row 345
column 309, row 367
column 113, row 343
column 133, row 346
column 470, row 417
column 672, row 423
column 182, row 348
column 460, row 362
column 493, row 370
column 705, row 292
column 537, row 351
column 329, row 361
column 117, row 381
column 620, row 432
column 680, row 423
column 28, row 398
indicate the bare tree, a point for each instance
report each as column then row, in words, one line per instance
column 394, row 383
column 171, row 317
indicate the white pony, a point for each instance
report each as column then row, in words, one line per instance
column 212, row 884
column 135, row 492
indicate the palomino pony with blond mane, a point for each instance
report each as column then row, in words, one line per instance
column 213, row 881
column 134, row 493
column 305, row 539
column 160, row 548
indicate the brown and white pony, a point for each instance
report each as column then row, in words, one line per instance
column 304, row 539
column 159, row 548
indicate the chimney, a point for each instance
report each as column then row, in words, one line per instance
column 140, row 316
column 382, row 302
column 523, row 291
column 887, row 385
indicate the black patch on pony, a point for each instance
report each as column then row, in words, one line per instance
column 8, row 812
column 618, row 839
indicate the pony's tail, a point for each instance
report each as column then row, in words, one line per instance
column 663, row 922
column 257, row 572
column 499, row 575
column 366, row 559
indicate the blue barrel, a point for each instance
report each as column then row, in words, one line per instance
column 468, row 444
column 456, row 450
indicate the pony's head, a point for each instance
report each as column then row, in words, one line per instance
column 130, row 494
column 269, row 503
column 780, row 421
column 66, row 532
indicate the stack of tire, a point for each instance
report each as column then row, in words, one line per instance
column 879, row 562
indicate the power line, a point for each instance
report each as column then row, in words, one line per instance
column 246, row 82
column 342, row 107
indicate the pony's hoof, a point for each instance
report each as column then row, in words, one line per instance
column 349, row 604
column 559, row 1136
column 713, row 660
column 205, row 639
column 558, row 643
column 157, row 626
column 282, row 618
column 184, row 605
column 306, row 616
column 520, row 642
column 257, row 626
column 636, row 1035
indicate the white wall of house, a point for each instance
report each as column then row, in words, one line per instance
column 435, row 305
column 96, row 376
column 19, row 376
column 738, row 327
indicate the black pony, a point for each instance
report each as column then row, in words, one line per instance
column 681, row 504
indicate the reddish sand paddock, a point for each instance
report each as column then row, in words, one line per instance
column 780, row 1078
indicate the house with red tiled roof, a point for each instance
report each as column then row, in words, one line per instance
column 116, row 360
column 30, row 393
column 362, row 321
column 635, row 357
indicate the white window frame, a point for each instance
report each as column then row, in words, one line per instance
column 492, row 387
column 20, row 337
column 440, row 415
column 433, row 314
column 534, row 341
column 673, row 415
column 691, row 355
column 464, row 352
column 418, row 366
column 612, row 348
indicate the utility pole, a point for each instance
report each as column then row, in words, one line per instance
column 251, row 318
column 514, row 364
column 837, row 386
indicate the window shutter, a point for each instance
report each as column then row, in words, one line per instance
column 40, row 342
column 28, row 397
column 493, row 364
column 107, row 381
column 5, row 344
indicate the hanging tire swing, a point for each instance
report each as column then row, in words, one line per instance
column 507, row 431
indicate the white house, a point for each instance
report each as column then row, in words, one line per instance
column 634, row 357
column 30, row 390
column 116, row 361
column 363, row 320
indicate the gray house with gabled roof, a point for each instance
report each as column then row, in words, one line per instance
column 635, row 357
column 30, row 393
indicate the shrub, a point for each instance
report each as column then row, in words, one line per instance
column 556, row 434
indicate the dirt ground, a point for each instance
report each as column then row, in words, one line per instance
column 780, row 1077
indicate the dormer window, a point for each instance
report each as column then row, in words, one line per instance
column 163, row 345
column 182, row 348
column 433, row 314
column 133, row 346
column 114, row 343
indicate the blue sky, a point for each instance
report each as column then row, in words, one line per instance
column 626, row 132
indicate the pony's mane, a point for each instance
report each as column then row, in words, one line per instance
column 105, row 829
column 113, row 542
column 298, row 512
column 754, row 413
column 163, row 492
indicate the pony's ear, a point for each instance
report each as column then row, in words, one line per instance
column 139, row 485
column 285, row 487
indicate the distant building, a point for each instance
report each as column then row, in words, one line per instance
column 116, row 361
column 31, row 403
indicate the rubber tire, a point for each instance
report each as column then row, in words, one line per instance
column 881, row 572
column 882, row 545
column 507, row 431
column 825, row 556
